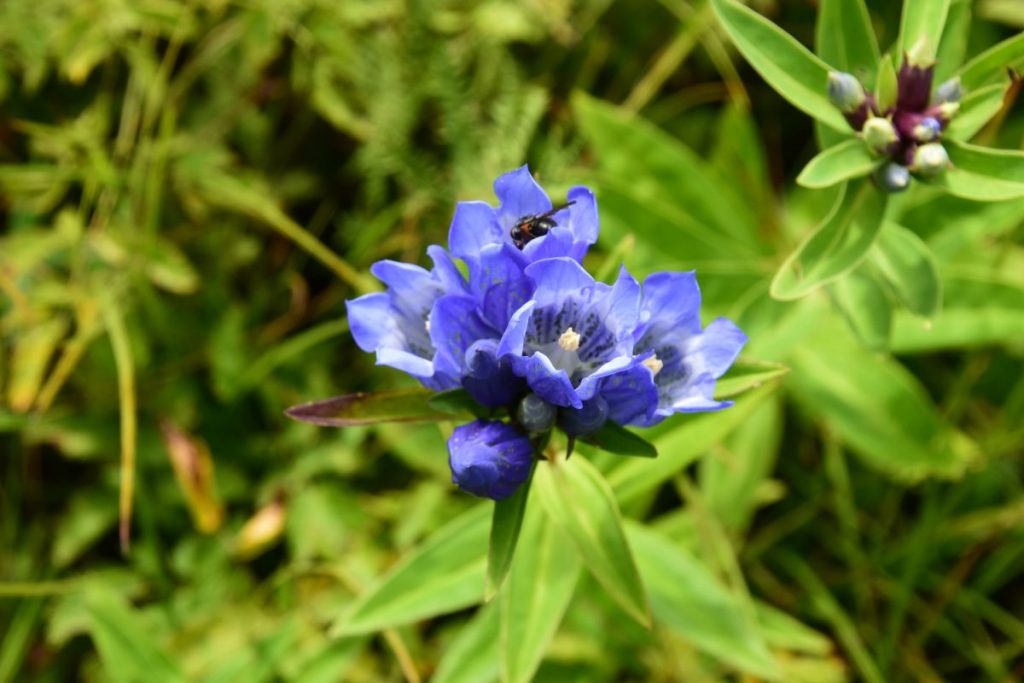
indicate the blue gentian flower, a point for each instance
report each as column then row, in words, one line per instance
column 395, row 324
column 569, row 231
column 684, row 360
column 530, row 333
column 572, row 332
column 489, row 459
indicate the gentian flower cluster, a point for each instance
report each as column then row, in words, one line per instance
column 530, row 335
column 906, row 132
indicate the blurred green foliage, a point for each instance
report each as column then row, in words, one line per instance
column 191, row 189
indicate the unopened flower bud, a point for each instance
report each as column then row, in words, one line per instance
column 949, row 92
column 489, row 459
column 893, row 177
column 585, row 420
column 535, row 414
column 845, row 91
column 927, row 130
column 879, row 134
column 947, row 110
column 930, row 159
column 914, row 86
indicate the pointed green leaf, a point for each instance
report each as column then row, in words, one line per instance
column 976, row 109
column 845, row 39
column 788, row 66
column 845, row 161
column 747, row 374
column 687, row 598
column 680, row 446
column 921, row 27
column 403, row 405
column 733, row 478
column 506, row 523
column 864, row 305
column 983, row 174
column 906, row 263
column 837, row 246
column 473, row 656
column 444, row 575
column 125, row 642
column 535, row 596
column 877, row 407
column 977, row 310
column 991, row 66
column 456, row 402
column 887, row 85
column 579, row 500
column 619, row 440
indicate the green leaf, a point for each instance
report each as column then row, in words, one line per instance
column 977, row 310
column 976, row 109
column 747, row 374
column 125, row 643
column 456, row 402
column 991, row 66
column 845, row 161
column 983, row 174
column 788, row 66
column 864, row 305
column 580, row 501
column 845, row 39
column 473, row 656
column 536, row 596
column 619, row 440
column 734, row 476
column 921, row 27
column 648, row 170
column 837, row 246
column 444, row 575
column 402, row 405
column 906, row 263
column 877, row 407
column 952, row 50
column 687, row 598
column 505, row 526
column 680, row 446
column 887, row 86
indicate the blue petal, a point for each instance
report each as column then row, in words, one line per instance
column 490, row 380
column 631, row 395
column 548, row 382
column 448, row 275
column 454, row 326
column 592, row 382
column 558, row 278
column 623, row 310
column 514, row 337
column 416, row 366
column 474, row 226
column 582, row 221
column 716, row 348
column 558, row 242
column 498, row 282
column 369, row 319
column 520, row 196
column 670, row 301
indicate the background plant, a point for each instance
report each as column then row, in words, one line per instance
column 190, row 191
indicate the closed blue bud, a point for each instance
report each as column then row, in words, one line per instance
column 585, row 420
column 928, row 130
column 930, row 159
column 893, row 177
column 950, row 91
column 489, row 459
column 535, row 414
column 845, row 91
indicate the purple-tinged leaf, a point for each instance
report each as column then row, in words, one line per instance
column 403, row 405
